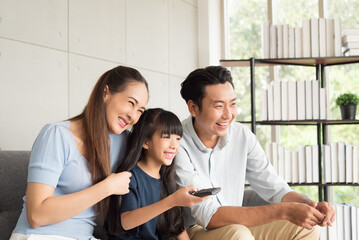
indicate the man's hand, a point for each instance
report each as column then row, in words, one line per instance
column 303, row 215
column 328, row 211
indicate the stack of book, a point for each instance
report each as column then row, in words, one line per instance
column 295, row 166
column 345, row 226
column 340, row 163
column 350, row 41
column 316, row 38
column 293, row 100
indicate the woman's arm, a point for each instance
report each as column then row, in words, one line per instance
column 137, row 217
column 43, row 208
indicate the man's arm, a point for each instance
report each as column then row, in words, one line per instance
column 298, row 213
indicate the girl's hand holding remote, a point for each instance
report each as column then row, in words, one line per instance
column 184, row 199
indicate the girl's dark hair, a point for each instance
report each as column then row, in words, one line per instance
column 95, row 129
column 152, row 121
column 194, row 86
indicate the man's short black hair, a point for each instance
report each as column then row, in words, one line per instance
column 193, row 87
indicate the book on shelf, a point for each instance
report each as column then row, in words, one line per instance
column 315, row 160
column 308, row 100
column 285, row 41
column 350, row 45
column 315, row 99
column 308, row 164
column 355, row 166
column 323, row 103
column 295, row 167
column 281, row 163
column 314, row 34
column 284, row 100
column 327, row 163
column 273, row 41
column 291, row 44
column 354, row 230
column 306, row 38
column 339, row 215
column 298, row 42
column 280, row 41
column 337, row 37
column 330, row 37
column 332, row 231
column 334, row 161
column 351, row 52
column 275, row 156
column 350, row 31
column 288, row 165
column 265, row 39
column 349, row 163
column 347, row 222
column 277, row 115
column 301, row 100
column 270, row 102
column 350, row 38
column 322, row 38
column 292, row 100
column 264, row 106
column 341, row 162
column 302, row 164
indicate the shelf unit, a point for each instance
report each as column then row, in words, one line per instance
column 319, row 64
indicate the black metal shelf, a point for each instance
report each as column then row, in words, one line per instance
column 319, row 64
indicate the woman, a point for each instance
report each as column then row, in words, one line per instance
column 72, row 162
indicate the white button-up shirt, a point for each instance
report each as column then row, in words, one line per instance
column 237, row 157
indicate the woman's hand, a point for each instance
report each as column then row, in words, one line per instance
column 182, row 198
column 118, row 183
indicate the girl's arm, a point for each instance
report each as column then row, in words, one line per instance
column 43, row 208
column 137, row 217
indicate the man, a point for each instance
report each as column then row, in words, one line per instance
column 217, row 152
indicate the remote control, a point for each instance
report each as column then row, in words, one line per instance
column 205, row 192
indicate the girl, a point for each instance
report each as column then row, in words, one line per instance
column 71, row 161
column 153, row 144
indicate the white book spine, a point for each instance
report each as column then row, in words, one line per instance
column 275, row 156
column 281, row 161
column 265, row 39
column 295, row 167
column 280, row 41
column 347, row 222
column 341, row 162
column 291, row 44
column 301, row 100
column 327, row 163
column 264, row 105
column 355, row 167
column 315, row 98
column 349, row 163
column 292, row 100
column 308, row 100
column 322, row 38
column 323, row 233
column 334, row 161
column 308, row 164
column 277, row 100
column 298, row 42
column 332, row 231
column 288, row 165
column 314, row 33
column 330, row 37
column 339, row 219
column 306, row 38
column 315, row 158
column 270, row 102
column 323, row 103
column 273, row 41
column 285, row 41
column 354, row 221
column 284, row 100
column 301, row 162
column 337, row 37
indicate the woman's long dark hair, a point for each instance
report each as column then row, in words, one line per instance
column 95, row 129
column 152, row 121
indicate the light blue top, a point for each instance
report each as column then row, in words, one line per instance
column 56, row 161
column 237, row 157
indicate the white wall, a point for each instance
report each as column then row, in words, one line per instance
column 53, row 51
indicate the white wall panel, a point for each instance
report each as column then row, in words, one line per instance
column 42, row 22
column 33, row 92
column 183, row 38
column 147, row 34
column 83, row 74
column 177, row 103
column 97, row 28
column 159, row 89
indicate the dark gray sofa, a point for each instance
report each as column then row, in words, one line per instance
column 13, row 176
